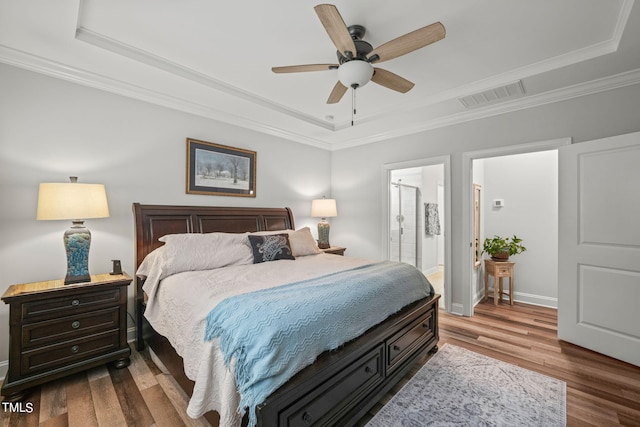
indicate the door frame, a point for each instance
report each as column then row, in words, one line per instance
column 386, row 209
column 467, row 306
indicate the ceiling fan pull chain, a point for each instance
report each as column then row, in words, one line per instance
column 353, row 104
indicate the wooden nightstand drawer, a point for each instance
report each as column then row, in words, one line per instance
column 63, row 354
column 66, row 328
column 55, row 307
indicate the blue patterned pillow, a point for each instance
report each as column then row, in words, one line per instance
column 270, row 248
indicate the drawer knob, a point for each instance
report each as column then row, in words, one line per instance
column 425, row 325
column 396, row 348
column 368, row 369
column 75, row 325
column 75, row 349
column 307, row 418
column 75, row 302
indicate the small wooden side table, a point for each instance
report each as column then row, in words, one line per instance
column 499, row 270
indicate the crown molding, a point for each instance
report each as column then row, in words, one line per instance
column 159, row 62
column 51, row 68
column 541, row 67
column 61, row 71
column 604, row 84
column 115, row 46
column 560, row 61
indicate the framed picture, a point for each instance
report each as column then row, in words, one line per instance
column 220, row 170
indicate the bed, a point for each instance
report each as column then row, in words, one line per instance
column 341, row 385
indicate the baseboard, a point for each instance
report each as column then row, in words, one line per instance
column 457, row 309
column 540, row 300
column 478, row 297
column 131, row 334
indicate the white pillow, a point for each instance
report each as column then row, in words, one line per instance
column 301, row 241
column 198, row 251
column 193, row 252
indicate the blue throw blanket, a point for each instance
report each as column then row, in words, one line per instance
column 275, row 332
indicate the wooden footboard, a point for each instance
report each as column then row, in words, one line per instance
column 343, row 385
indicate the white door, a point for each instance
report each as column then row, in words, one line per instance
column 599, row 246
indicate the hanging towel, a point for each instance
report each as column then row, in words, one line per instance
column 431, row 219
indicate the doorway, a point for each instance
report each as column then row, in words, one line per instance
column 417, row 215
column 521, row 216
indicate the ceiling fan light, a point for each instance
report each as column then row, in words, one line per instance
column 355, row 72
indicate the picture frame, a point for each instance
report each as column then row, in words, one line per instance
column 220, row 170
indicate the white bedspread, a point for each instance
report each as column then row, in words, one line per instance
column 179, row 305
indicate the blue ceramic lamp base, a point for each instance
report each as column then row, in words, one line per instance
column 77, row 241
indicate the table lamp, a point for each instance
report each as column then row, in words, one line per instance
column 323, row 208
column 75, row 202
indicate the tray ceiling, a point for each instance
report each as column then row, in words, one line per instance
column 214, row 59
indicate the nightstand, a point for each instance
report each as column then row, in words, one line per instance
column 336, row 250
column 57, row 329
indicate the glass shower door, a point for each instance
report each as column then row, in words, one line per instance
column 404, row 229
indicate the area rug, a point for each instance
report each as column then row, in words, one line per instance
column 458, row 387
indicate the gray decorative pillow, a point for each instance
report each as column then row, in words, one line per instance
column 270, row 248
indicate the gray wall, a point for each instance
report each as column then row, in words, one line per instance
column 51, row 129
column 357, row 172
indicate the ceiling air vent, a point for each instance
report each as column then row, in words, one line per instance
column 490, row 96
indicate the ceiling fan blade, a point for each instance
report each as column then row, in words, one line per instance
column 304, row 68
column 336, row 28
column 337, row 93
column 408, row 43
column 391, row 81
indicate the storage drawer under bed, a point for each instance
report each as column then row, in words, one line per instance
column 327, row 401
column 402, row 344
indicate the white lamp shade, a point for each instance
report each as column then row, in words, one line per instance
column 323, row 208
column 72, row 201
column 355, row 72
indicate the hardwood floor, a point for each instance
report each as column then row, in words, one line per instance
column 600, row 391
column 140, row 395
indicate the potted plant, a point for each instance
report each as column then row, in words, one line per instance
column 501, row 248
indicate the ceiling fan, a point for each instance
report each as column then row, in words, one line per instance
column 356, row 56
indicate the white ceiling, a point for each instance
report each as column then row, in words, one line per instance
column 214, row 59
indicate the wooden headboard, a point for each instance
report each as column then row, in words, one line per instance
column 154, row 221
